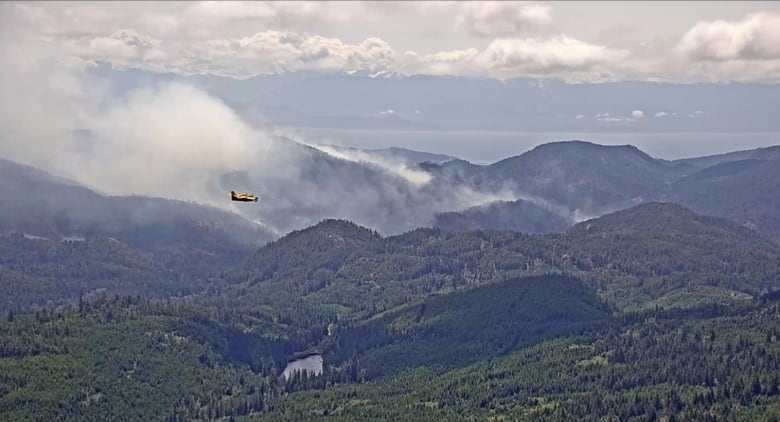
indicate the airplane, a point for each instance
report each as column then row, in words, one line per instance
column 242, row 197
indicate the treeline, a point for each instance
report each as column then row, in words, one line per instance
column 452, row 330
column 38, row 272
column 634, row 259
column 721, row 368
column 131, row 358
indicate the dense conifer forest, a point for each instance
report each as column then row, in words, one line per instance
column 653, row 313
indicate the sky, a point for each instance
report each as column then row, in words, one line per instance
column 576, row 41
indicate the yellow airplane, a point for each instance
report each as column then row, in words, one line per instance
column 242, row 197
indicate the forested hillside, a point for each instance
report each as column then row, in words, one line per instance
column 653, row 312
column 632, row 259
column 717, row 364
column 578, row 179
column 127, row 358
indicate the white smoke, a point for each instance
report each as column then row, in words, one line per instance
column 413, row 176
column 169, row 140
column 174, row 141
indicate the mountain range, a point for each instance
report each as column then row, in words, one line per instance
column 543, row 190
column 578, row 180
column 404, row 102
column 111, row 301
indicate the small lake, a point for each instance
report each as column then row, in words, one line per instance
column 312, row 364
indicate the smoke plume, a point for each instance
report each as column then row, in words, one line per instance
column 173, row 140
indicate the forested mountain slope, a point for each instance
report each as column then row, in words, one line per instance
column 578, row 180
column 702, row 365
column 631, row 258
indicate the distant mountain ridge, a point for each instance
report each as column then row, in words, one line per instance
column 545, row 189
column 581, row 179
column 49, row 206
column 520, row 215
column 305, row 99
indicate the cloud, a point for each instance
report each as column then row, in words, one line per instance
column 501, row 18
column 580, row 116
column 198, row 38
column 266, row 52
column 482, row 39
column 633, row 117
column 124, row 47
column 282, row 13
column 695, row 114
column 560, row 56
column 474, row 18
column 615, row 119
column 284, row 51
column 454, row 62
column 756, row 37
column 542, row 56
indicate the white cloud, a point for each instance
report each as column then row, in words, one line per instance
column 225, row 19
column 616, row 119
column 474, row 18
column 445, row 63
column 633, row 117
column 695, row 114
column 263, row 52
column 455, row 62
column 501, row 18
column 492, row 39
column 580, row 116
column 756, row 37
column 279, row 10
column 537, row 56
column 125, row 47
